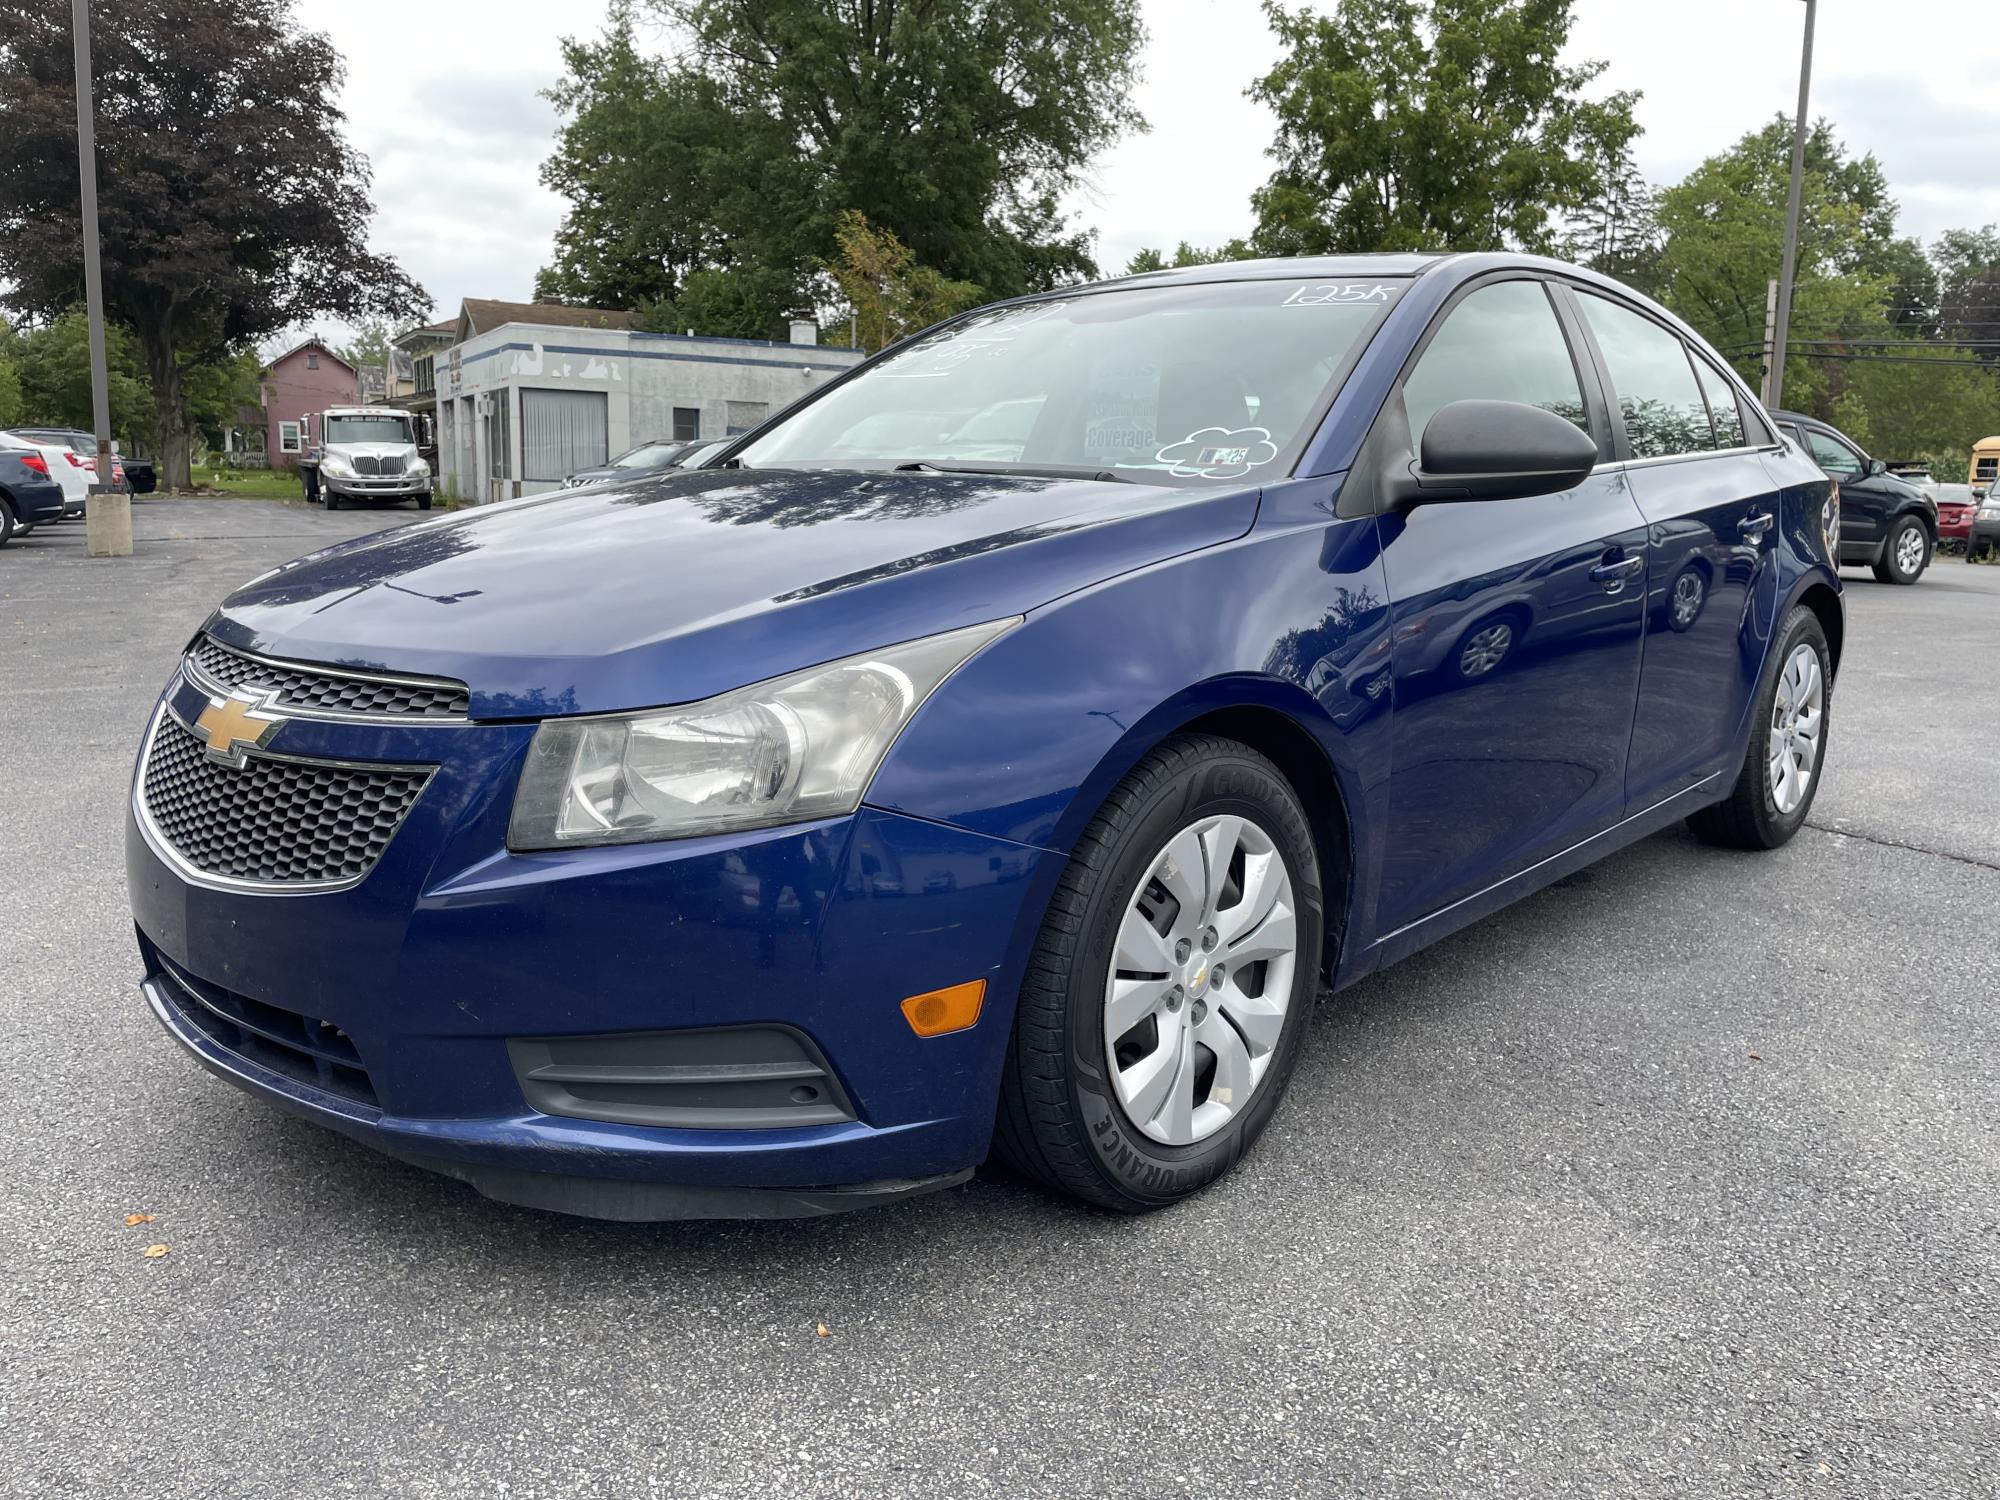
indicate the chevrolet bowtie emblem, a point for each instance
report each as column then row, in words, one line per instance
column 237, row 724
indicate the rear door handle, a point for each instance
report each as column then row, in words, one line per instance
column 1613, row 574
column 1755, row 526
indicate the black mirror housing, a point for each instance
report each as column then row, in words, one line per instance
column 1498, row 450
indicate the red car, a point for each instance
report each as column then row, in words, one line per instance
column 1955, row 503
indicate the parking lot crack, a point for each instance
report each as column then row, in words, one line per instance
column 1869, row 838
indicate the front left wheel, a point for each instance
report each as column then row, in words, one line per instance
column 1167, row 999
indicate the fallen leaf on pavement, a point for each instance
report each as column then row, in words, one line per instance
column 824, row 1330
column 154, row 1252
column 131, row 1219
column 1755, row 1058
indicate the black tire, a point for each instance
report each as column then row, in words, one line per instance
column 1748, row 818
column 8, row 525
column 1060, row 1120
column 423, row 502
column 333, row 501
column 1887, row 568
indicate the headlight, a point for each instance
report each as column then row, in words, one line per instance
column 797, row 747
column 417, row 467
column 340, row 468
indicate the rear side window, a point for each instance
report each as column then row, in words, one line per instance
column 1834, row 456
column 1721, row 405
column 1657, row 394
column 1502, row 343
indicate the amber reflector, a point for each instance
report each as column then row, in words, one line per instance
column 943, row 1011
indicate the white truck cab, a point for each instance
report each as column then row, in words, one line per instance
column 370, row 453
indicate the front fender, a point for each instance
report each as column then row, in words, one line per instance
column 1026, row 741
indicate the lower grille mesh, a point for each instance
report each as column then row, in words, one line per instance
column 299, row 1047
column 277, row 822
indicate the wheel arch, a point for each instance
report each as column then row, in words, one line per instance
column 1300, row 758
column 1819, row 597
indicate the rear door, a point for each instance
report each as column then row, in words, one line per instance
column 1515, row 624
column 1711, row 510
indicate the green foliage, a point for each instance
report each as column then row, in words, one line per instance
column 955, row 125
column 1188, row 255
column 218, row 392
column 371, row 344
column 53, row 365
column 747, row 302
column 1968, row 263
column 11, row 411
column 1617, row 232
column 888, row 295
column 1431, row 125
column 229, row 204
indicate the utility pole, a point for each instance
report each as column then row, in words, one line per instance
column 107, row 516
column 1782, row 332
column 1770, row 341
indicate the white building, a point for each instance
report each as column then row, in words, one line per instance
column 532, row 392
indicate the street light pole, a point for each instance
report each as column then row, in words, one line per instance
column 1781, row 330
column 108, row 517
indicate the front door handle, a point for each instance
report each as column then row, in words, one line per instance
column 1613, row 574
column 1754, row 527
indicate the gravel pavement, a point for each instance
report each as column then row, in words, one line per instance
column 1681, row 1178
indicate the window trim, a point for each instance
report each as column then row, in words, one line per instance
column 1588, row 381
column 1570, row 287
column 297, row 442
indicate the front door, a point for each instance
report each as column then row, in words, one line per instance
column 1711, row 519
column 1516, row 628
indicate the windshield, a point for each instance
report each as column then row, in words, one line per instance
column 646, row 456
column 1182, row 384
column 367, row 430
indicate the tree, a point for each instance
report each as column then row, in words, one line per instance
column 54, row 367
column 1187, row 255
column 219, row 392
column 11, row 411
column 955, row 125
column 373, row 338
column 1968, row 262
column 1617, row 232
column 229, row 204
column 1725, row 224
column 888, row 295
column 1430, row 125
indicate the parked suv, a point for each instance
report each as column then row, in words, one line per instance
column 1886, row 523
column 780, row 836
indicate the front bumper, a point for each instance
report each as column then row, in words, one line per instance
column 377, row 489
column 452, row 947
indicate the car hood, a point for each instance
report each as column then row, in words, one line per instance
column 687, row 584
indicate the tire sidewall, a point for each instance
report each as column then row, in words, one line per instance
column 1134, row 1165
column 1804, row 627
column 1908, row 523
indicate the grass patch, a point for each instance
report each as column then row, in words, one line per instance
column 253, row 484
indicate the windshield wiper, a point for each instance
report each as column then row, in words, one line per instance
column 1029, row 471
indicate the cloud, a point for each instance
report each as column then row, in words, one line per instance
column 1219, row 452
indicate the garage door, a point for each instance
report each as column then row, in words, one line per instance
column 561, row 432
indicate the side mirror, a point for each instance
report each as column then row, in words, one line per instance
column 1498, row 450
column 1876, row 466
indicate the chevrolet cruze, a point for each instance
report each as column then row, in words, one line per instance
column 995, row 753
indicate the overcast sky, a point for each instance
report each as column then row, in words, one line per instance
column 444, row 100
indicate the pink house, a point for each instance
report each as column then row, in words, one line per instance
column 297, row 386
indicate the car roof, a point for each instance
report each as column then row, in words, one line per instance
column 1283, row 266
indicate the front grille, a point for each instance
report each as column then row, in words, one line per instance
column 303, row 687
column 301, row 1048
column 378, row 466
column 274, row 822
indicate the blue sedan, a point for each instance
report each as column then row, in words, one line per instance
column 997, row 752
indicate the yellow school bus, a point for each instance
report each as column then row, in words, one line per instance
column 1985, row 466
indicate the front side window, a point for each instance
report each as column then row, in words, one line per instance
column 1502, row 343
column 1834, row 456
column 1192, row 384
column 1657, row 395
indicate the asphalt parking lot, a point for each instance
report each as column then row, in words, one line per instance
column 1681, row 1178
